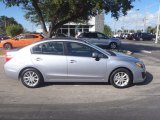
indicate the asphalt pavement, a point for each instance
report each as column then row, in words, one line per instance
column 84, row 101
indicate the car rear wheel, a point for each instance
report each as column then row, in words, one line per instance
column 7, row 46
column 121, row 78
column 31, row 78
column 113, row 45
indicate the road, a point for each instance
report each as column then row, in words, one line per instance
column 149, row 48
column 83, row 101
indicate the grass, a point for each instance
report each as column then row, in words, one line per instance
column 2, row 52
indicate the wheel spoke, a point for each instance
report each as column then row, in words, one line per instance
column 121, row 79
column 31, row 78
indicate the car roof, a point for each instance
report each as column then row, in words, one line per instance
column 92, row 32
column 63, row 39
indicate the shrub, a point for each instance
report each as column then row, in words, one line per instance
column 14, row 30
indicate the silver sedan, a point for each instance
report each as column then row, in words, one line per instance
column 69, row 60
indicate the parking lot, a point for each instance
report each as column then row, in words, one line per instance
column 87, row 101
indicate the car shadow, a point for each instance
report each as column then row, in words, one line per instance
column 148, row 80
column 74, row 83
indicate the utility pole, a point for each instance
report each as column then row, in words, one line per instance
column 156, row 41
column 145, row 20
column 114, row 25
column 138, row 20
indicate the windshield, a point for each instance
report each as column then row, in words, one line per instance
column 98, row 48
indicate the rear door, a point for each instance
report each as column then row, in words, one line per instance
column 103, row 40
column 29, row 39
column 90, row 37
column 19, row 41
column 49, row 58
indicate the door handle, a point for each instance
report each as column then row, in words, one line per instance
column 38, row 59
column 72, row 61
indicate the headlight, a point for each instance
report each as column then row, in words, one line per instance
column 140, row 65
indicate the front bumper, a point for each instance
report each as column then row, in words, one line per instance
column 139, row 76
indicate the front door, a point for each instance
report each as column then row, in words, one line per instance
column 82, row 67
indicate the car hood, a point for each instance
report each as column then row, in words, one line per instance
column 124, row 57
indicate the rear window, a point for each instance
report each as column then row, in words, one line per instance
column 89, row 35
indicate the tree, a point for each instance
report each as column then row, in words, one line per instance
column 58, row 12
column 14, row 30
column 151, row 29
column 132, row 31
column 107, row 30
column 7, row 21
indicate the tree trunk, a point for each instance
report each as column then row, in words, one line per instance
column 50, row 32
column 38, row 10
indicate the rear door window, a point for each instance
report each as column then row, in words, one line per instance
column 54, row 48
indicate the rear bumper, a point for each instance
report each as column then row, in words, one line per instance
column 11, row 72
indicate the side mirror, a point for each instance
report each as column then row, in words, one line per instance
column 95, row 55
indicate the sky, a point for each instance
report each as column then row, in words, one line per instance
column 144, row 10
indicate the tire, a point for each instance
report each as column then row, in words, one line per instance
column 113, row 45
column 121, row 78
column 7, row 46
column 31, row 78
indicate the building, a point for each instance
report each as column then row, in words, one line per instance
column 71, row 29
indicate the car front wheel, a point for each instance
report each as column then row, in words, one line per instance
column 121, row 78
column 31, row 78
column 113, row 45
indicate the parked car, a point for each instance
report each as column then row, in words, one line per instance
column 100, row 40
column 116, row 35
column 3, row 37
column 123, row 35
column 70, row 60
column 143, row 36
column 20, row 41
column 130, row 36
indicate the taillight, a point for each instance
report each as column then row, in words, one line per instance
column 8, row 57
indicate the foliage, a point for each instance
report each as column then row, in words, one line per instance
column 14, row 30
column 6, row 21
column 58, row 12
column 107, row 30
column 132, row 31
column 151, row 29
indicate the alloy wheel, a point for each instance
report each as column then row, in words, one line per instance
column 121, row 79
column 31, row 78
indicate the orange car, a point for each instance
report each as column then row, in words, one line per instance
column 20, row 41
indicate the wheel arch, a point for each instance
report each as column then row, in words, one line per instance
column 7, row 43
column 29, row 68
column 119, row 68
